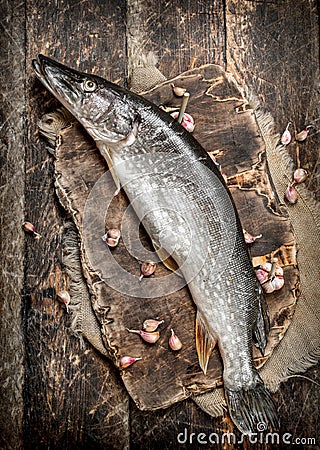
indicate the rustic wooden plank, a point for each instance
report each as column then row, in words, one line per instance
column 12, row 76
column 298, row 24
column 183, row 34
column 273, row 48
column 72, row 396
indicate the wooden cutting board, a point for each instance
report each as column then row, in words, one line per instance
column 226, row 127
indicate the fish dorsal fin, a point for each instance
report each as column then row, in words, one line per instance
column 205, row 342
column 262, row 325
column 167, row 260
column 106, row 153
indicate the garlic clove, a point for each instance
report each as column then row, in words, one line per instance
column 286, row 136
column 127, row 361
column 28, row 227
column 268, row 287
column 278, row 283
column 111, row 242
column 64, row 297
column 112, row 237
column 151, row 338
column 147, row 269
column 151, row 325
column 291, row 195
column 299, row 176
column 178, row 90
column 174, row 341
column 262, row 274
column 114, row 233
column 270, row 276
column 187, row 121
column 302, row 136
column 249, row 238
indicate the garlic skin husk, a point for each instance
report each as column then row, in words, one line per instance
column 302, row 135
column 151, row 325
column 299, row 176
column 249, row 238
column 151, row 338
column 291, row 195
column 147, row 269
column 174, row 342
column 286, row 135
column 28, row 227
column 64, row 297
column 178, row 90
column 127, row 361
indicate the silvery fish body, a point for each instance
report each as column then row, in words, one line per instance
column 180, row 196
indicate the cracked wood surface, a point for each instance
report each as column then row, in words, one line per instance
column 73, row 399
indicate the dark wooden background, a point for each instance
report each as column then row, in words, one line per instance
column 55, row 395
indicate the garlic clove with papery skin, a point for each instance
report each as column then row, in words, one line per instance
column 178, row 90
column 151, row 325
column 249, row 238
column 112, row 237
column 114, row 233
column 151, row 338
column 64, row 297
column 270, row 276
column 187, row 121
column 299, row 176
column 28, row 227
column 291, row 195
column 286, row 135
column 302, row 135
column 147, row 269
column 174, row 342
column 127, row 361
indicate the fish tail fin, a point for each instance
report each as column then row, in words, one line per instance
column 252, row 409
column 205, row 343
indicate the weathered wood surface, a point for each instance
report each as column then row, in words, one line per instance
column 12, row 107
column 271, row 46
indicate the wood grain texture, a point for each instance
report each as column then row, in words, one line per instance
column 273, row 49
column 183, row 34
column 12, row 129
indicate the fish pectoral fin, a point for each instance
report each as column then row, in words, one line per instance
column 130, row 138
column 262, row 325
column 167, row 260
column 205, row 343
column 106, row 153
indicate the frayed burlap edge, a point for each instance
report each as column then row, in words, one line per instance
column 300, row 347
column 84, row 322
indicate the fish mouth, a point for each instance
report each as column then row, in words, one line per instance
column 64, row 83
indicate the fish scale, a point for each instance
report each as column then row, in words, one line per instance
column 172, row 185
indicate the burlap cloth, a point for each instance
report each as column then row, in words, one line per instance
column 300, row 347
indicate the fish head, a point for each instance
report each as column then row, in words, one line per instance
column 99, row 105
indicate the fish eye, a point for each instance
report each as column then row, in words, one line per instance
column 89, row 86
